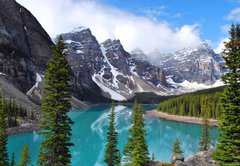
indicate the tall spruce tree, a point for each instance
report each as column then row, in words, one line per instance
column 176, row 147
column 228, row 149
column 3, row 133
column 25, row 157
column 136, row 150
column 205, row 139
column 112, row 154
column 55, row 123
column 132, row 135
column 13, row 159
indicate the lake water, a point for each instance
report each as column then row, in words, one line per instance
column 89, row 135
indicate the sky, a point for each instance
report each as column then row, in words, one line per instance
column 166, row 25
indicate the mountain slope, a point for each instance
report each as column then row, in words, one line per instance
column 188, row 69
column 109, row 67
column 25, row 47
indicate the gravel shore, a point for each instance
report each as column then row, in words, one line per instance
column 26, row 128
column 186, row 119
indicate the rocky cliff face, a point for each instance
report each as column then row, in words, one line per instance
column 188, row 69
column 108, row 68
column 25, row 47
column 117, row 74
column 199, row 65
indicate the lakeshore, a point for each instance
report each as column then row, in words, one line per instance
column 29, row 127
column 155, row 113
column 25, row 128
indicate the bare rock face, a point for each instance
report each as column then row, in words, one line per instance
column 176, row 158
column 107, row 68
column 25, row 47
column 201, row 65
column 202, row 158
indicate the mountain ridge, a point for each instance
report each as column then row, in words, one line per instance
column 119, row 73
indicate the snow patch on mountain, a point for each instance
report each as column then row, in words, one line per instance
column 114, row 71
column 38, row 80
column 78, row 29
column 187, row 86
column 114, row 95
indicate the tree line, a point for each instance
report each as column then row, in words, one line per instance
column 192, row 105
column 15, row 111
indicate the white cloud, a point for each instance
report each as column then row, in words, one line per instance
column 234, row 14
column 59, row 16
column 220, row 45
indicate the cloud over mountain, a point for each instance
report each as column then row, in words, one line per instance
column 59, row 16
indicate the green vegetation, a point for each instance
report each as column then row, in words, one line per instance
column 192, row 105
column 55, row 123
column 153, row 98
column 13, row 159
column 228, row 149
column 112, row 154
column 148, row 98
column 136, row 150
column 177, row 147
column 25, row 157
column 3, row 134
column 14, row 111
column 205, row 140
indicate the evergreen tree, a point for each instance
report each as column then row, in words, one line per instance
column 13, row 160
column 138, row 155
column 55, row 123
column 228, row 149
column 192, row 105
column 205, row 140
column 3, row 134
column 177, row 147
column 112, row 154
column 132, row 135
column 25, row 157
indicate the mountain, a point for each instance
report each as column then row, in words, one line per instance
column 25, row 46
column 188, row 69
column 107, row 68
column 100, row 71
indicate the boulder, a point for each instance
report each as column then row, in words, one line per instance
column 177, row 157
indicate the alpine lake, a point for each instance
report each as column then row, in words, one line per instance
column 89, row 136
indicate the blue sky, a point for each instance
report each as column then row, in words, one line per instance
column 167, row 25
column 210, row 15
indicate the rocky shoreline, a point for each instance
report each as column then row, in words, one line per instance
column 24, row 128
column 162, row 115
column 33, row 125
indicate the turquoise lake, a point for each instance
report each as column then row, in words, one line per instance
column 89, row 135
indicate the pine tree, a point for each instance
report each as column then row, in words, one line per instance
column 205, row 140
column 228, row 149
column 177, row 147
column 25, row 156
column 136, row 150
column 3, row 133
column 112, row 154
column 132, row 135
column 55, row 123
column 13, row 160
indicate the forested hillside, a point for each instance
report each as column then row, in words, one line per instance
column 192, row 104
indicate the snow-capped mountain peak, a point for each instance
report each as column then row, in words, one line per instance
column 79, row 29
column 119, row 74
